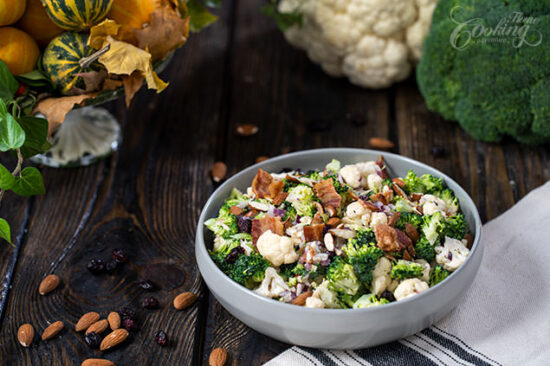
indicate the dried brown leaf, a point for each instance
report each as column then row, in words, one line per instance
column 55, row 109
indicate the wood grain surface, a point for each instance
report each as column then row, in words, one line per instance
column 146, row 198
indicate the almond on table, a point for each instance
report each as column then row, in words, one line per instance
column 48, row 284
column 25, row 335
column 52, row 330
column 86, row 320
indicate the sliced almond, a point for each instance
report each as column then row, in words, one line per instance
column 218, row 357
column 86, row 320
column 48, row 284
column 52, row 330
column 184, row 300
column 219, row 170
column 98, row 327
column 380, row 143
column 300, row 300
column 259, row 206
column 113, row 339
column 247, row 129
column 25, row 335
column 114, row 320
column 329, row 242
column 97, row 362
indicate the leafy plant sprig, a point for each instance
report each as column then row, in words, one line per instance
column 23, row 136
column 283, row 20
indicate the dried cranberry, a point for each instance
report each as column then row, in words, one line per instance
column 111, row 266
column 128, row 313
column 129, row 324
column 388, row 296
column 119, row 256
column 93, row 340
column 146, row 285
column 245, row 224
column 150, row 303
column 450, row 256
column 96, row 266
column 356, row 119
column 234, row 254
column 438, row 151
column 161, row 338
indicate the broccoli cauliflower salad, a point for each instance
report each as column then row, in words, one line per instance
column 342, row 237
column 373, row 42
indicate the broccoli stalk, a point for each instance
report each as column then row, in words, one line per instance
column 405, row 269
column 438, row 274
column 342, row 278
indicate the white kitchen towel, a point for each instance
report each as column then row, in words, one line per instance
column 504, row 318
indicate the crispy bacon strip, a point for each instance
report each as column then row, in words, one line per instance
column 371, row 206
column 399, row 191
column 314, row 232
column 261, row 183
column 386, row 238
column 403, row 240
column 275, row 188
column 411, row 232
column 394, row 218
column 326, row 192
column 280, row 198
column 260, row 226
column 382, row 164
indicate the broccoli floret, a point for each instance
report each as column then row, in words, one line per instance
column 248, row 270
column 290, row 212
column 314, row 174
column 455, row 226
column 426, row 183
column 364, row 237
column 387, row 182
column 402, row 205
column 292, row 270
column 224, row 225
column 409, row 217
column 363, row 259
column 224, row 245
column 334, row 166
column 289, row 185
column 433, row 226
column 342, row 278
column 424, row 250
column 347, row 301
column 339, row 187
column 302, row 199
column 405, row 269
column 369, row 300
column 450, row 199
column 438, row 274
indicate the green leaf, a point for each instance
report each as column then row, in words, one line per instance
column 8, row 83
column 30, row 183
column 199, row 15
column 6, row 179
column 36, row 132
column 35, row 78
column 283, row 20
column 5, row 232
column 12, row 135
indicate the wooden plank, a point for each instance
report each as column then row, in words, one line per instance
column 146, row 199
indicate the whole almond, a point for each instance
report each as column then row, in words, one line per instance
column 247, row 129
column 25, row 335
column 114, row 320
column 113, row 339
column 219, row 170
column 86, row 320
column 380, row 143
column 98, row 327
column 97, row 362
column 52, row 330
column 184, row 300
column 259, row 159
column 218, row 357
column 300, row 300
column 48, row 284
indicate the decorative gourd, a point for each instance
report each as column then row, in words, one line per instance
column 60, row 60
column 133, row 13
column 11, row 11
column 18, row 50
column 77, row 15
column 37, row 24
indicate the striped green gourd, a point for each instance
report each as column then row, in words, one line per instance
column 60, row 60
column 77, row 15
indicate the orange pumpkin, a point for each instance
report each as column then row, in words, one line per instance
column 38, row 24
column 11, row 11
column 18, row 50
column 133, row 14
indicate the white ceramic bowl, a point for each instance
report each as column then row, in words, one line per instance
column 336, row 328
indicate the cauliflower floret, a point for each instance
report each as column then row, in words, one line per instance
column 381, row 278
column 378, row 218
column 355, row 209
column 452, row 254
column 357, row 216
column 351, row 176
column 410, row 287
column 302, row 199
column 328, row 297
column 426, row 271
column 276, row 249
column 374, row 182
column 272, row 285
column 372, row 42
column 314, row 302
column 432, row 204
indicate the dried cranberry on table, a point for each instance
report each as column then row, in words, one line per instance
column 111, row 266
column 128, row 313
column 119, row 256
column 129, row 324
column 96, row 266
column 93, row 340
column 161, row 338
column 150, row 303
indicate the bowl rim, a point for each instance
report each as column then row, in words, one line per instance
column 200, row 244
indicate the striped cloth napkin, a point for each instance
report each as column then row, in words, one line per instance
column 504, row 319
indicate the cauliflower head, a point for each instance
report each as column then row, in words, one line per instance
column 276, row 249
column 373, row 42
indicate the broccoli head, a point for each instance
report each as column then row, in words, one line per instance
column 408, row 218
column 339, row 187
column 405, row 269
column 368, row 300
column 290, row 212
column 455, row 226
column 248, row 270
column 493, row 89
column 334, row 166
column 426, row 183
column 364, row 237
column 342, row 278
column 438, row 274
column 302, row 199
column 450, row 199
column 424, row 250
column 433, row 226
column 292, row 270
column 402, row 205
column 363, row 259
column 224, row 225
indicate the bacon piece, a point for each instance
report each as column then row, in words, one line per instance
column 371, row 206
column 399, row 191
column 334, row 221
column 261, row 183
column 382, row 164
column 317, row 218
column 314, row 232
column 400, row 182
column 386, row 238
column 251, row 213
column 403, row 240
column 280, row 198
column 352, row 195
column 236, row 210
column 416, row 197
column 411, row 232
column 260, row 226
column 388, row 196
column 379, row 197
column 407, row 256
column 394, row 218
column 275, row 188
column 326, row 192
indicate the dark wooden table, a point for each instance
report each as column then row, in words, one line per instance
column 147, row 197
